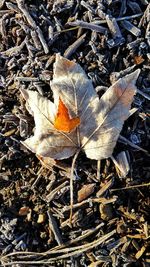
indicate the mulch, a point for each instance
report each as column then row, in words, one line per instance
column 111, row 212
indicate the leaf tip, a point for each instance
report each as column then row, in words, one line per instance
column 132, row 77
column 136, row 73
column 66, row 63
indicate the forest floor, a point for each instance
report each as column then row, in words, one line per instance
column 111, row 212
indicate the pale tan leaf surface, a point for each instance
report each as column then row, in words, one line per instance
column 112, row 111
column 100, row 120
column 46, row 140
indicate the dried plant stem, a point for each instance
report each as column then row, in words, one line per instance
column 21, row 6
column 71, row 183
column 119, row 19
column 79, row 238
column 126, row 141
column 32, row 23
column 53, row 226
column 55, row 250
column 143, row 94
column 91, row 201
column 70, row 29
column 27, row 79
column 98, row 169
column 51, row 195
column 130, row 187
column 89, row 26
column 66, row 253
column 73, row 47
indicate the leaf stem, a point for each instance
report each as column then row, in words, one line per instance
column 71, row 183
column 98, row 169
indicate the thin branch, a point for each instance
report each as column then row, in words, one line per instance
column 30, row 20
column 130, row 187
column 68, row 252
column 89, row 26
column 143, row 94
column 73, row 47
column 126, row 141
column 52, row 194
column 53, row 226
column 118, row 19
column 26, row 79
column 90, row 201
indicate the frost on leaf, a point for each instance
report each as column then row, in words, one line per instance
column 78, row 120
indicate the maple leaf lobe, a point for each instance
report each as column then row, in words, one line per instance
column 125, row 96
column 62, row 66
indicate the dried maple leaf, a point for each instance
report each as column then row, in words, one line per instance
column 78, row 119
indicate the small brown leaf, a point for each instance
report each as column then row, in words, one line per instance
column 24, row 211
column 138, row 60
column 85, row 191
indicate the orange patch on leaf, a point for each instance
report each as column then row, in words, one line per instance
column 69, row 64
column 63, row 122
